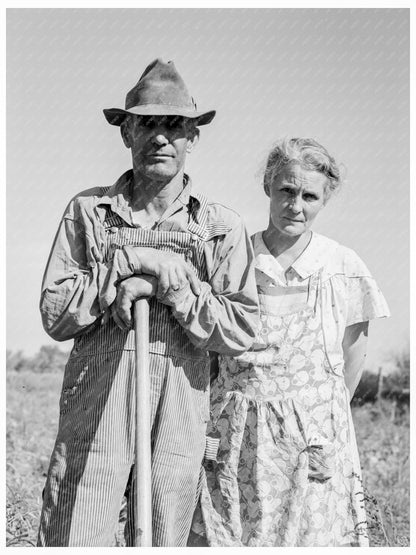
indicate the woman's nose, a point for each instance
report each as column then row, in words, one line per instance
column 295, row 204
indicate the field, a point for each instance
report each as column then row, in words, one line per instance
column 32, row 400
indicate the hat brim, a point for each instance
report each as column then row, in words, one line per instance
column 115, row 116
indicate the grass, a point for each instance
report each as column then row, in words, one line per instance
column 384, row 446
column 32, row 414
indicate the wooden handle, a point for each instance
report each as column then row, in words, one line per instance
column 143, row 459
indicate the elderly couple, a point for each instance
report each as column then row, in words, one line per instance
column 265, row 455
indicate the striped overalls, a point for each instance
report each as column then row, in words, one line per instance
column 94, row 451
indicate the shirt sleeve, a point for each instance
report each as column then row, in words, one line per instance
column 78, row 285
column 365, row 301
column 224, row 317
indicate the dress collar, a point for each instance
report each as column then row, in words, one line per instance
column 317, row 253
column 265, row 261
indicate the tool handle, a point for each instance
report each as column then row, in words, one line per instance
column 143, row 458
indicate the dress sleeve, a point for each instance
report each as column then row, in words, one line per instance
column 365, row 301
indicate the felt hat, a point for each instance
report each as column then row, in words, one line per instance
column 160, row 91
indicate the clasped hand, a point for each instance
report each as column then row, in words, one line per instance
column 161, row 272
column 171, row 271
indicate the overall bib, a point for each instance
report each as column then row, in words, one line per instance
column 94, row 451
column 286, row 471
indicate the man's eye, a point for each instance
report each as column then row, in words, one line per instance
column 310, row 197
column 149, row 123
column 174, row 123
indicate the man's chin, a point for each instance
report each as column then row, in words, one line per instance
column 159, row 172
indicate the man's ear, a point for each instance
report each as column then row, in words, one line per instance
column 193, row 141
column 125, row 133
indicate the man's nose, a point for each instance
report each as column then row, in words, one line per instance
column 160, row 136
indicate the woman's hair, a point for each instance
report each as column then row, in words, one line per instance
column 309, row 154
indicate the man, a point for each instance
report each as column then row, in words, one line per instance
column 149, row 235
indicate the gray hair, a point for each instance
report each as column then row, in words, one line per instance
column 309, row 154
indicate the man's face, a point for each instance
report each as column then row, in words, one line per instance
column 159, row 144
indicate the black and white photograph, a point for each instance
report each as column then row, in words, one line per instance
column 208, row 277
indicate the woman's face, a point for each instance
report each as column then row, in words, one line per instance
column 296, row 198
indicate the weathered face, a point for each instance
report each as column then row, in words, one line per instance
column 159, row 144
column 296, row 198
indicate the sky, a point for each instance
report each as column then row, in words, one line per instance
column 340, row 76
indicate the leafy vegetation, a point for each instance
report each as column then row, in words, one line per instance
column 49, row 360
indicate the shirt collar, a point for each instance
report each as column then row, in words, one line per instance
column 118, row 197
column 319, row 250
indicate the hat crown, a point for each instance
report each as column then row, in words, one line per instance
column 160, row 91
column 160, row 83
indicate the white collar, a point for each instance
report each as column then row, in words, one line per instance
column 317, row 253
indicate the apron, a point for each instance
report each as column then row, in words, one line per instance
column 281, row 467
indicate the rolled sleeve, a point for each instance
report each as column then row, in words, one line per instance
column 77, row 285
column 224, row 316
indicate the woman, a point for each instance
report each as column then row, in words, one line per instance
column 282, row 466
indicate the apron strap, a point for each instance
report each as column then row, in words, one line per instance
column 314, row 290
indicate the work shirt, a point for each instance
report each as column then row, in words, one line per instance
column 80, row 281
column 97, row 246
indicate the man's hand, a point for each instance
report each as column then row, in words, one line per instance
column 128, row 290
column 170, row 269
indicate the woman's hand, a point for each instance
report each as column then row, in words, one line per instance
column 354, row 346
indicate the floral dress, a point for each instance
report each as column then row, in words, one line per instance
column 281, row 465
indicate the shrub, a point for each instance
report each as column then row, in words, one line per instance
column 395, row 384
column 48, row 360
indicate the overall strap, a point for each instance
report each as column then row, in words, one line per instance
column 198, row 222
column 112, row 219
column 198, row 216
